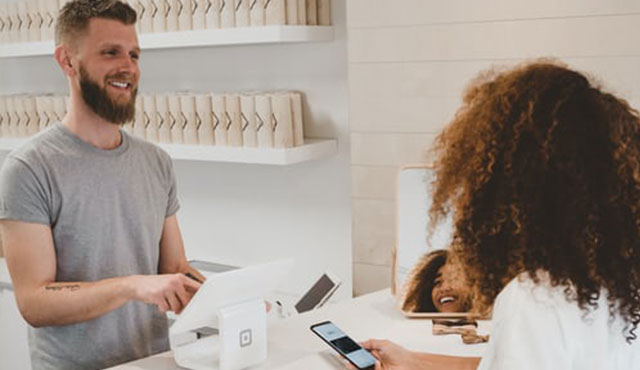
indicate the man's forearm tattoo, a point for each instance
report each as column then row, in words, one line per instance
column 70, row 287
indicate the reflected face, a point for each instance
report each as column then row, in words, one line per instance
column 449, row 292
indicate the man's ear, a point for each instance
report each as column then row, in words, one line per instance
column 62, row 54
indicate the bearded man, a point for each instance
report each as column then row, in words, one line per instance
column 88, row 212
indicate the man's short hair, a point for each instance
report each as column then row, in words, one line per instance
column 74, row 17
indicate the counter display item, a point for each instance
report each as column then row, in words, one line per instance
column 43, row 106
column 256, row 119
column 302, row 12
column 164, row 119
column 312, row 12
column 31, row 126
column 275, row 12
column 185, row 15
column 150, row 118
column 292, row 12
column 145, row 15
column 24, row 21
column 242, row 13
column 233, row 120
column 256, row 13
column 282, row 125
column 177, row 120
column 248, row 115
column 48, row 11
column 172, row 15
column 21, row 119
column 204, row 119
column 190, row 128
column 4, row 117
column 25, row 115
column 264, row 125
column 227, row 14
column 138, row 121
column 220, row 133
column 212, row 14
column 159, row 16
column 324, row 12
column 199, row 14
column 34, row 20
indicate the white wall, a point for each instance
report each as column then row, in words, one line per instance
column 245, row 214
column 409, row 61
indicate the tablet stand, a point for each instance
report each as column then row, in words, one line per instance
column 233, row 302
column 241, row 342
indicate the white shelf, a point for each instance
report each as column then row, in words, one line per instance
column 197, row 38
column 311, row 150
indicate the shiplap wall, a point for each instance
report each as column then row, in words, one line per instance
column 409, row 62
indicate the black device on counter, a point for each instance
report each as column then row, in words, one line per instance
column 345, row 346
column 319, row 293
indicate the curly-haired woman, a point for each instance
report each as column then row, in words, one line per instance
column 436, row 285
column 541, row 169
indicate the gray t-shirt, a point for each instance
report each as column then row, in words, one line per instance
column 106, row 210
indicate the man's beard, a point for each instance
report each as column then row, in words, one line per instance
column 101, row 104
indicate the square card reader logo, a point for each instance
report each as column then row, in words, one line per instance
column 245, row 338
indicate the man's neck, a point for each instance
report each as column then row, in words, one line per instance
column 90, row 127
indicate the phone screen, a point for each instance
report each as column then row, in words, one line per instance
column 347, row 347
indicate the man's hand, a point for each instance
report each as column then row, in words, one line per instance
column 169, row 292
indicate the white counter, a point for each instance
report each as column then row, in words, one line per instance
column 293, row 346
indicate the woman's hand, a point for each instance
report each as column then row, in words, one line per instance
column 390, row 355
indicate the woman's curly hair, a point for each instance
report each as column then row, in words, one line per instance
column 417, row 292
column 541, row 169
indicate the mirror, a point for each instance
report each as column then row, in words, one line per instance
column 419, row 257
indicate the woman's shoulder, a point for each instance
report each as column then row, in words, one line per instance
column 536, row 294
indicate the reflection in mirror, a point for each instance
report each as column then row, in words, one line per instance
column 436, row 285
column 424, row 281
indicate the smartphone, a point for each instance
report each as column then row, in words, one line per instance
column 319, row 293
column 345, row 346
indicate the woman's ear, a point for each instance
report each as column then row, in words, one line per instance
column 63, row 56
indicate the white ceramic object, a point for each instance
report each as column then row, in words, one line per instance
column 312, row 13
column 177, row 120
column 248, row 116
column 256, row 13
column 264, row 125
column 242, row 13
column 188, row 106
column 233, row 120
column 163, row 118
column 282, row 122
column 219, row 119
column 275, row 12
column 204, row 119
column 150, row 118
column 297, row 118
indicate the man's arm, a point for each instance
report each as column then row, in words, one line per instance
column 172, row 256
column 31, row 258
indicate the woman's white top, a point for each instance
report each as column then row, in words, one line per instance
column 534, row 327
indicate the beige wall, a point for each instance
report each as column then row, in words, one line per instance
column 409, row 61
